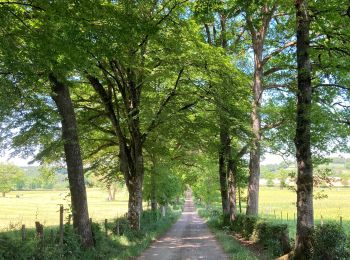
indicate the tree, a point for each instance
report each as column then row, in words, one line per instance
column 9, row 176
column 47, row 176
column 81, row 220
column 217, row 18
column 24, row 72
column 305, row 217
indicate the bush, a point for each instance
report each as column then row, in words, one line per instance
column 249, row 226
column 237, row 225
column 274, row 237
column 330, row 242
column 244, row 224
column 14, row 249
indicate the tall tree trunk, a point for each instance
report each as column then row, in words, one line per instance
column 130, row 150
column 135, row 202
column 258, row 35
column 239, row 200
column 81, row 223
column 153, row 190
column 133, row 170
column 224, row 127
column 4, row 194
column 254, row 162
column 232, row 170
column 305, row 218
column 225, row 145
column 109, row 193
column 223, row 150
column 114, row 190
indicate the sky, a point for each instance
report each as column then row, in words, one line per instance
column 268, row 159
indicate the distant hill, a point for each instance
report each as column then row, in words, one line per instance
column 31, row 171
column 339, row 166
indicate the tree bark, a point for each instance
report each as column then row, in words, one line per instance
column 223, row 152
column 258, row 40
column 232, row 170
column 153, row 190
column 114, row 191
column 239, row 200
column 81, row 223
column 224, row 128
column 4, row 194
column 254, row 162
column 111, row 192
column 305, row 218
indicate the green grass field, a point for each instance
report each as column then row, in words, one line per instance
column 274, row 201
column 43, row 206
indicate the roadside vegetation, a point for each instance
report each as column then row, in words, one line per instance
column 117, row 242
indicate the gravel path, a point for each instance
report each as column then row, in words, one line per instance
column 189, row 238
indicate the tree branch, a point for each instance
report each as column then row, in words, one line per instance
column 172, row 93
column 273, row 125
column 278, row 51
column 331, row 85
column 24, row 4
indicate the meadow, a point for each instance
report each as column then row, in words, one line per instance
column 26, row 207
column 275, row 202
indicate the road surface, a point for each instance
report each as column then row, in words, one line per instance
column 189, row 238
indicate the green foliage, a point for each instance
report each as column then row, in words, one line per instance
column 47, row 176
column 244, row 225
column 128, row 244
column 10, row 177
column 274, row 237
column 206, row 188
column 330, row 242
column 166, row 182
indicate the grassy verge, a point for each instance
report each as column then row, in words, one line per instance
column 108, row 245
column 230, row 245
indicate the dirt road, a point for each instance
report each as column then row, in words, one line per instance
column 189, row 238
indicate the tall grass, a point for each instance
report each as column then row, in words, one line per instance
column 111, row 246
column 230, row 245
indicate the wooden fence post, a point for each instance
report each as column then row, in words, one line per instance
column 23, row 231
column 106, row 228
column 321, row 220
column 274, row 213
column 39, row 230
column 61, row 225
column 341, row 221
column 294, row 216
column 118, row 230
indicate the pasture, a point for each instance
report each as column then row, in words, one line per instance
column 26, row 207
column 273, row 201
column 43, row 205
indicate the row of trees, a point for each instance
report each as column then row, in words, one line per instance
column 13, row 177
column 154, row 93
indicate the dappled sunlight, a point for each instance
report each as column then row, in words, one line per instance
column 189, row 238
